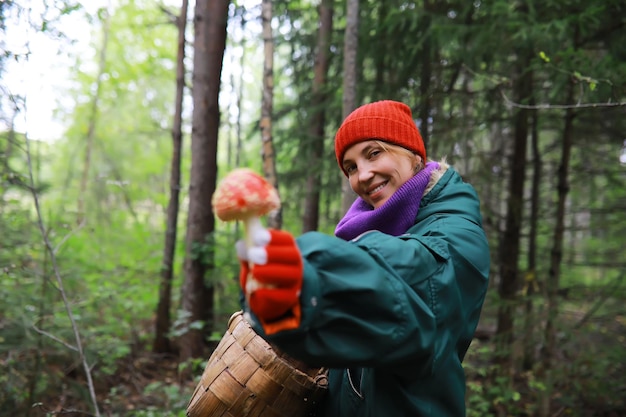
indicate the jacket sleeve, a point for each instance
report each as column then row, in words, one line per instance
column 377, row 301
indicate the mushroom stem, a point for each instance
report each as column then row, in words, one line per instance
column 251, row 225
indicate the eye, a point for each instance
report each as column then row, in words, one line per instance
column 350, row 168
column 374, row 153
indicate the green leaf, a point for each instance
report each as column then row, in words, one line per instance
column 543, row 56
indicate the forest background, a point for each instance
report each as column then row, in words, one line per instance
column 115, row 279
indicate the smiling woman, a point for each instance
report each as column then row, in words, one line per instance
column 391, row 302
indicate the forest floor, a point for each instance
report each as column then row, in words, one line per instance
column 591, row 382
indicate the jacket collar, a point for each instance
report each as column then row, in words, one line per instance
column 436, row 175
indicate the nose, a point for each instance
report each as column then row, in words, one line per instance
column 365, row 173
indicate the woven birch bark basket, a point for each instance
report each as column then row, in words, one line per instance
column 247, row 377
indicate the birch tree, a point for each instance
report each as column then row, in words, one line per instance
column 318, row 118
column 267, row 106
column 91, row 127
column 349, row 98
column 163, row 319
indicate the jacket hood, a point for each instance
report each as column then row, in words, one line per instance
column 436, row 175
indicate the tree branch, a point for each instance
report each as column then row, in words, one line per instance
column 498, row 81
column 511, row 103
column 68, row 235
column 600, row 301
column 56, row 339
column 79, row 347
column 51, row 412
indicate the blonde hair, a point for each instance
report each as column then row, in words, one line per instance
column 402, row 151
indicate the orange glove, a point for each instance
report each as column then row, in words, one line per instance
column 271, row 278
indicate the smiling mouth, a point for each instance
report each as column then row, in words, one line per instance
column 377, row 189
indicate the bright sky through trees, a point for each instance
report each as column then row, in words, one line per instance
column 40, row 71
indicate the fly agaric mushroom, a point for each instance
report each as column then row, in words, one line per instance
column 245, row 195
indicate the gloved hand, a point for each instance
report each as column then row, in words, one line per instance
column 271, row 278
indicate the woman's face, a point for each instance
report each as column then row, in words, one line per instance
column 376, row 172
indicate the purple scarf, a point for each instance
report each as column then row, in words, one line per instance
column 395, row 216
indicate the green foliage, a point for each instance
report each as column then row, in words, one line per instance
column 203, row 251
column 168, row 399
column 485, row 392
column 162, row 399
column 110, row 264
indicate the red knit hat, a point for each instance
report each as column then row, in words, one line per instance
column 389, row 121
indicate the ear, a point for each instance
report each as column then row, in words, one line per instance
column 418, row 162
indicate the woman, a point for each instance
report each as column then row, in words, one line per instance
column 391, row 303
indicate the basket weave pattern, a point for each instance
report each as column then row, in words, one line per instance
column 247, row 377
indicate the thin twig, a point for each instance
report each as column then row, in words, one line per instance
column 57, row 274
column 79, row 347
column 68, row 235
column 56, row 339
column 600, row 301
column 498, row 82
column 71, row 411
column 578, row 105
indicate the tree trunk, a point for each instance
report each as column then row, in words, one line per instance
column 556, row 254
column 318, row 119
column 349, row 100
column 91, row 128
column 510, row 246
column 163, row 320
column 267, row 108
column 426, row 74
column 530, row 280
column 210, row 20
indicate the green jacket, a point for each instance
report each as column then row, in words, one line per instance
column 394, row 316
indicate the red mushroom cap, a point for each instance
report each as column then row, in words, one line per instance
column 242, row 194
